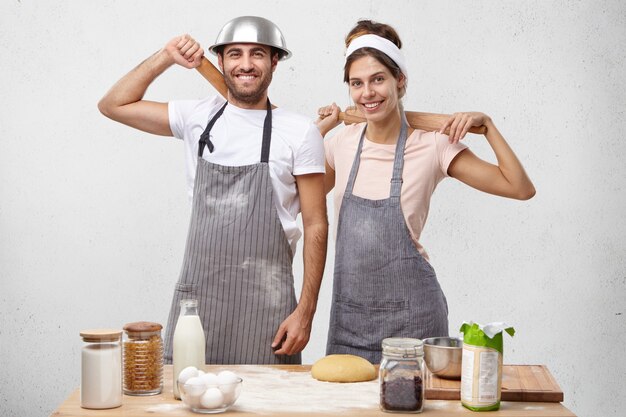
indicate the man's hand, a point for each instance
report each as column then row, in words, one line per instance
column 294, row 333
column 185, row 51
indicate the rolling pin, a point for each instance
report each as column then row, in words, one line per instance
column 417, row 120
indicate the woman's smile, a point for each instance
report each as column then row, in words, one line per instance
column 373, row 88
column 372, row 105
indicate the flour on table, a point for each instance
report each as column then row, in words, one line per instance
column 268, row 391
column 164, row 408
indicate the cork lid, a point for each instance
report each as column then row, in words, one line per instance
column 101, row 335
column 142, row 327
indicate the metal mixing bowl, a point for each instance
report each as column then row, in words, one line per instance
column 443, row 356
column 251, row 29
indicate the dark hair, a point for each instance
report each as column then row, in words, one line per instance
column 364, row 27
column 219, row 50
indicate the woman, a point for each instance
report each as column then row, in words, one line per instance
column 384, row 174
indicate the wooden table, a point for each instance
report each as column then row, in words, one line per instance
column 289, row 390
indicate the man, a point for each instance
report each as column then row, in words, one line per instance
column 250, row 170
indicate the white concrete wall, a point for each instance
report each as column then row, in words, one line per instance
column 93, row 215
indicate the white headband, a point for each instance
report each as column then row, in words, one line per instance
column 383, row 45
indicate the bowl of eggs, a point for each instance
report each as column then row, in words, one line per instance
column 208, row 392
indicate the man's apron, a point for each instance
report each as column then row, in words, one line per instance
column 382, row 287
column 237, row 263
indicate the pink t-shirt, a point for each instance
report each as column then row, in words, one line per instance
column 427, row 156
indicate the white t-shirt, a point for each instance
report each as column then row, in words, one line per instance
column 296, row 149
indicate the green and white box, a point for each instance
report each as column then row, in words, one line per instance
column 481, row 377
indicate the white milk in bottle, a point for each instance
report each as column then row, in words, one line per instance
column 189, row 342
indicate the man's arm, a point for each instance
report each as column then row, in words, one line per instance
column 124, row 101
column 297, row 327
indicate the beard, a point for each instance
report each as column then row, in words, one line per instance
column 248, row 95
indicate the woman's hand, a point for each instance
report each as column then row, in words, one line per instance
column 328, row 118
column 460, row 123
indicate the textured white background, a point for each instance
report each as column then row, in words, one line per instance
column 93, row 215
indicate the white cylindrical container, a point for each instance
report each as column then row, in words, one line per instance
column 101, row 369
column 189, row 343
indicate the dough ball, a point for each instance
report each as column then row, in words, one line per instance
column 343, row 368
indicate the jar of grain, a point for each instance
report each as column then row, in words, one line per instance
column 401, row 375
column 143, row 358
column 101, row 369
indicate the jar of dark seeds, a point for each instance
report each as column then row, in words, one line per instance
column 143, row 359
column 401, row 375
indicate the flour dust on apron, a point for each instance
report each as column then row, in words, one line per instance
column 382, row 286
column 238, row 262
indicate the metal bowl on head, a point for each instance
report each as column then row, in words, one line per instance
column 252, row 29
column 443, row 356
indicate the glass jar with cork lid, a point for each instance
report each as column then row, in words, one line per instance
column 401, row 375
column 101, row 369
column 143, row 358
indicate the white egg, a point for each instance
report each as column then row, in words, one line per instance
column 227, row 381
column 227, row 377
column 194, row 387
column 193, row 402
column 212, row 398
column 188, row 372
column 210, row 380
column 229, row 397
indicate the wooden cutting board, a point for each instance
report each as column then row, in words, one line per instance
column 519, row 383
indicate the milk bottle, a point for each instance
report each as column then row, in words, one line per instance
column 189, row 342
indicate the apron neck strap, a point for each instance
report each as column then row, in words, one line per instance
column 398, row 163
column 267, row 134
column 205, row 138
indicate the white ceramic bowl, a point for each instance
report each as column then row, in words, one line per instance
column 207, row 400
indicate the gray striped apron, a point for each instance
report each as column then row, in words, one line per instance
column 382, row 285
column 238, row 262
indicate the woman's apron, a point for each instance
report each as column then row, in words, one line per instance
column 382, row 287
column 237, row 263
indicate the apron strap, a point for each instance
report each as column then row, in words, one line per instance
column 267, row 134
column 398, row 163
column 205, row 138
column 355, row 164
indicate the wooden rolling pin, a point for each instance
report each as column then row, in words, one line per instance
column 417, row 120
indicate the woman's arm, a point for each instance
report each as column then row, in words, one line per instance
column 506, row 179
